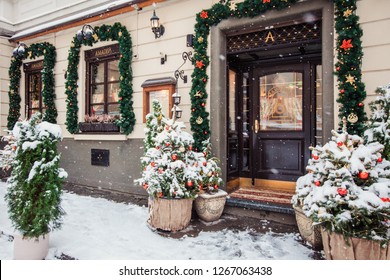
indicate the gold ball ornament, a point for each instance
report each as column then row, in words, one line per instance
column 120, row 33
column 182, row 149
column 352, row 118
column 210, row 174
column 199, row 120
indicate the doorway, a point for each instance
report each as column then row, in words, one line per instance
column 274, row 107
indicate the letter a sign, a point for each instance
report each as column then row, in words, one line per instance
column 269, row 37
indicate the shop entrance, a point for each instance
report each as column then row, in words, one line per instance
column 274, row 107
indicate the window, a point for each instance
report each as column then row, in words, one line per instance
column 34, row 101
column 161, row 89
column 103, row 81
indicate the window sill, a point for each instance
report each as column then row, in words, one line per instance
column 100, row 137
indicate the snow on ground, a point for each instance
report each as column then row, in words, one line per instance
column 98, row 229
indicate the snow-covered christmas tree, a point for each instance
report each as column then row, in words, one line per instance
column 172, row 169
column 379, row 123
column 35, row 186
column 347, row 189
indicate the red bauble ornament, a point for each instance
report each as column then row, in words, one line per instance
column 174, row 157
column 379, row 159
column 153, row 164
column 360, row 104
column 342, row 191
column 160, row 170
column 200, row 187
column 216, row 187
column 203, row 104
column 363, row 175
column 190, row 147
column 158, row 148
column 189, row 183
column 266, row 1
column 340, row 143
column 204, row 80
column 315, row 157
column 342, row 91
column 204, row 163
column 160, row 194
column 385, row 199
column 338, row 68
column 317, row 183
column 167, row 144
column 146, row 186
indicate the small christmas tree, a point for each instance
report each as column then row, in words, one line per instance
column 34, row 188
column 379, row 124
column 347, row 189
column 172, row 169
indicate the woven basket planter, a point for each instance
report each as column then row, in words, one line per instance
column 169, row 214
column 311, row 234
column 209, row 207
column 336, row 248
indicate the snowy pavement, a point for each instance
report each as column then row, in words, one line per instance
column 99, row 229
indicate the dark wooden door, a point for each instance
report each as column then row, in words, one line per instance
column 282, row 118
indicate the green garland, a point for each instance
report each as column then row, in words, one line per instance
column 48, row 51
column 116, row 32
column 348, row 67
column 349, row 60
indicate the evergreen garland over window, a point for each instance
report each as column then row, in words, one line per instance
column 48, row 51
column 116, row 32
column 348, row 66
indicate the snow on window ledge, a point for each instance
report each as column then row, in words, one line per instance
column 100, row 137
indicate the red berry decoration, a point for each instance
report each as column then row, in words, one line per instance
column 189, row 183
column 379, row 159
column 174, row 157
column 342, row 191
column 363, row 175
column 153, row 164
column 315, row 157
column 340, row 143
column 317, row 183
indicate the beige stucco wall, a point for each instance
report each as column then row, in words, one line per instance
column 5, row 51
column 375, row 22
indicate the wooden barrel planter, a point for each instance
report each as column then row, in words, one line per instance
column 169, row 214
column 337, row 248
column 209, row 207
column 311, row 234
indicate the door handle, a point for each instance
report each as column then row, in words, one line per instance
column 257, row 126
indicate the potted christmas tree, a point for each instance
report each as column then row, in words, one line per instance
column 171, row 174
column 379, row 124
column 348, row 194
column 211, row 200
column 34, row 187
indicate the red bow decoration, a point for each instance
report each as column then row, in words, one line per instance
column 204, row 14
column 346, row 45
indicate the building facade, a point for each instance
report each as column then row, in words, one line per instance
column 271, row 88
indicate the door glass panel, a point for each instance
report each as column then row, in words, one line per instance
column 281, row 101
column 319, row 105
column 232, row 100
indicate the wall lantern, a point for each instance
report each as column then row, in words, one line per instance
column 157, row 28
column 19, row 50
column 176, row 111
column 85, row 33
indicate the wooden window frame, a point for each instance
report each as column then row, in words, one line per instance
column 30, row 69
column 149, row 86
column 104, row 55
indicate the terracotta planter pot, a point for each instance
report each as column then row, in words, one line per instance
column 311, row 234
column 169, row 214
column 209, row 207
column 336, row 248
column 31, row 248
